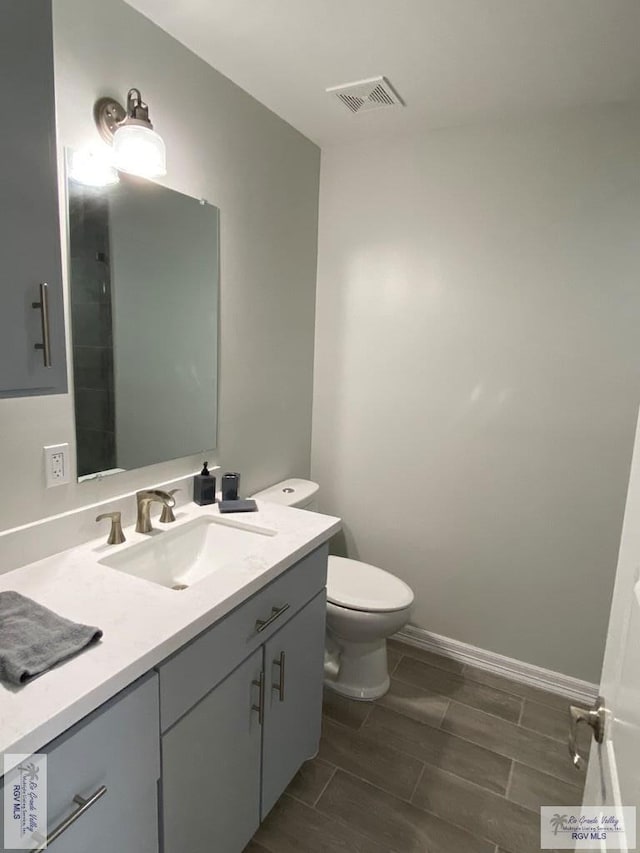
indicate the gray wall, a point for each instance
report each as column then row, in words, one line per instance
column 478, row 372
column 226, row 147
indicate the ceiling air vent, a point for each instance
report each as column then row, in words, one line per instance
column 367, row 95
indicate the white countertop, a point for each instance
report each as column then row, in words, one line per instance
column 143, row 622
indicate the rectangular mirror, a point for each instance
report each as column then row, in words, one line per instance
column 144, row 269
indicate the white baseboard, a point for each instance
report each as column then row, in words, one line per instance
column 517, row 670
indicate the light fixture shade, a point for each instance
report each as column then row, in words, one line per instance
column 139, row 150
column 92, row 168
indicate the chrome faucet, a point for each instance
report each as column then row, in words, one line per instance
column 144, row 500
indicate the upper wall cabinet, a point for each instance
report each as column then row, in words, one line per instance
column 32, row 341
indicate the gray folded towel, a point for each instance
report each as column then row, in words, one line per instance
column 34, row 638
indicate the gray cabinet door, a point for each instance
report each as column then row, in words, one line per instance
column 294, row 669
column 211, row 768
column 118, row 748
column 194, row 670
column 30, row 230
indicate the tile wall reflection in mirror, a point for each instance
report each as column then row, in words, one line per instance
column 144, row 264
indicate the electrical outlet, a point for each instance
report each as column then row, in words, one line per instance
column 56, row 464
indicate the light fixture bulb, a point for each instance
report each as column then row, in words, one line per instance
column 92, row 168
column 139, row 150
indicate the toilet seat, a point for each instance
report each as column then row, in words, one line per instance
column 359, row 586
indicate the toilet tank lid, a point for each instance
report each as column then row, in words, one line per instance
column 291, row 492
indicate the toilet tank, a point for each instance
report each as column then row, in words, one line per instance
column 292, row 492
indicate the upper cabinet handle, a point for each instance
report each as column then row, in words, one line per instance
column 276, row 612
column 43, row 305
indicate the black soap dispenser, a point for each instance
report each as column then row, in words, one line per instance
column 204, row 487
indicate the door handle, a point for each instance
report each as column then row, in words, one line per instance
column 43, row 305
column 83, row 806
column 279, row 684
column 594, row 717
column 260, row 706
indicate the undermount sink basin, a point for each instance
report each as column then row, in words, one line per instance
column 181, row 557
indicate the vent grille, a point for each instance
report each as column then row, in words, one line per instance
column 366, row 95
column 352, row 102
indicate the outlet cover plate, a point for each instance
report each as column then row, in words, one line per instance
column 56, row 465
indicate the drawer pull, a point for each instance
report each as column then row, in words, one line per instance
column 260, row 706
column 276, row 612
column 279, row 685
column 43, row 305
column 83, row 806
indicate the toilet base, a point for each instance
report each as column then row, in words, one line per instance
column 363, row 673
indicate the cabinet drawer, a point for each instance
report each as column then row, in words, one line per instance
column 189, row 675
column 118, row 747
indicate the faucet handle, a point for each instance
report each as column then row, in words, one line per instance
column 116, row 536
column 167, row 516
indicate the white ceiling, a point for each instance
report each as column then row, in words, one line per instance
column 452, row 61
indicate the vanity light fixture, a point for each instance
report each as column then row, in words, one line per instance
column 137, row 148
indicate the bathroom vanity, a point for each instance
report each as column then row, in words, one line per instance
column 240, row 711
column 204, row 702
column 182, row 727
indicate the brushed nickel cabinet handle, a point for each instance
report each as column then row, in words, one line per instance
column 276, row 612
column 43, row 305
column 83, row 806
column 260, row 706
column 279, row 685
column 594, row 717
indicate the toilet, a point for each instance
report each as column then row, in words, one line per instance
column 365, row 605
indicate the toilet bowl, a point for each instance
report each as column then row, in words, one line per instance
column 365, row 605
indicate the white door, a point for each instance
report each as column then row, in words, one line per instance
column 613, row 777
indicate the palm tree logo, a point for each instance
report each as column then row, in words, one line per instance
column 557, row 822
column 30, row 770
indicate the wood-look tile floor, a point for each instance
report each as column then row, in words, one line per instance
column 452, row 760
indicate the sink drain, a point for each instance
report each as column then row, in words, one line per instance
column 180, row 586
